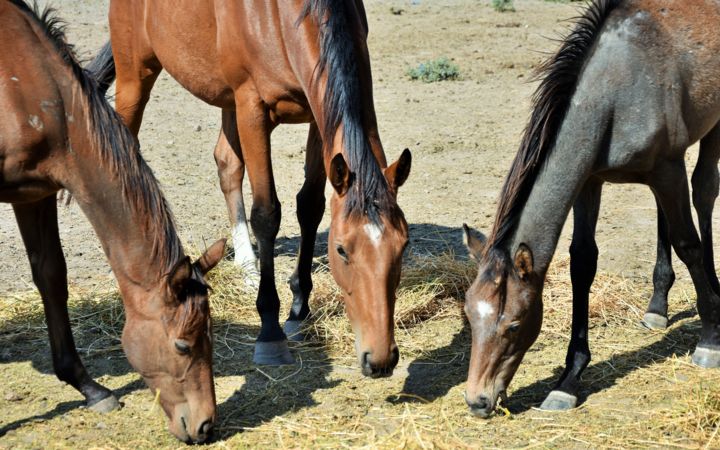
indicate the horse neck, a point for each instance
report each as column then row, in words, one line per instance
column 131, row 247
column 560, row 179
column 305, row 59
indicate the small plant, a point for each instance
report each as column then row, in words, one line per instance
column 503, row 5
column 438, row 70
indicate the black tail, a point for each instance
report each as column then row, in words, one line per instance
column 102, row 68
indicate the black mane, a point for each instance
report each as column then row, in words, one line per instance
column 343, row 27
column 118, row 148
column 551, row 100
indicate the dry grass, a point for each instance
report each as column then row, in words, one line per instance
column 641, row 389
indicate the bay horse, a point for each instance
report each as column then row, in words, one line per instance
column 58, row 132
column 633, row 85
column 264, row 63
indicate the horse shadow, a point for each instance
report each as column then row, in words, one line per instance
column 448, row 367
column 269, row 392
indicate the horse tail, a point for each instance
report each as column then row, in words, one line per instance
column 102, row 68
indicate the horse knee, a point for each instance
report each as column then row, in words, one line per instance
column 265, row 220
column 310, row 206
column 689, row 251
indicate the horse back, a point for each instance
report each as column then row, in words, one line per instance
column 215, row 49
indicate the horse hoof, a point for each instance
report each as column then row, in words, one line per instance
column 272, row 354
column 559, row 401
column 654, row 321
column 707, row 358
column 105, row 405
column 293, row 330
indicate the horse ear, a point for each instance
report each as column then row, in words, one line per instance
column 524, row 261
column 398, row 171
column 474, row 241
column 211, row 257
column 179, row 276
column 340, row 176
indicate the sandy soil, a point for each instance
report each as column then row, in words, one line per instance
column 463, row 135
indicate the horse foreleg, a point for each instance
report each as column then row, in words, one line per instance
column 583, row 265
column 39, row 229
column 231, row 171
column 310, row 209
column 663, row 277
column 671, row 189
column 705, row 184
column 254, row 129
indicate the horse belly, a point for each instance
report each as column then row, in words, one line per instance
column 186, row 46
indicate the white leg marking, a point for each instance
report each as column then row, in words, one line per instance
column 484, row 309
column 374, row 232
column 244, row 254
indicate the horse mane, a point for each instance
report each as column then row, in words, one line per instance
column 559, row 76
column 118, row 148
column 343, row 102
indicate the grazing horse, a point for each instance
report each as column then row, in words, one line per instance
column 634, row 84
column 59, row 132
column 267, row 62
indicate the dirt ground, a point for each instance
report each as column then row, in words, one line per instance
column 463, row 135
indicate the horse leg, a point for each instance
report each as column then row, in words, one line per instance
column 671, row 189
column 136, row 73
column 231, row 170
column 655, row 317
column 705, row 183
column 310, row 209
column 39, row 229
column 254, row 129
column 583, row 265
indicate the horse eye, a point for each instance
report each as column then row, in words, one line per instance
column 342, row 253
column 513, row 327
column 182, row 346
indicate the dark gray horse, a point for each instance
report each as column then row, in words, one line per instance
column 631, row 88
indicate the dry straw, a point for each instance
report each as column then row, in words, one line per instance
column 641, row 390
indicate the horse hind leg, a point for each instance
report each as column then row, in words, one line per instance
column 670, row 186
column 231, row 171
column 310, row 209
column 655, row 317
column 39, row 229
column 705, row 184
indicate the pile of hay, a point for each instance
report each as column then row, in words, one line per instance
column 641, row 388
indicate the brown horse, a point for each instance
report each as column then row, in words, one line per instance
column 267, row 62
column 59, row 132
column 635, row 84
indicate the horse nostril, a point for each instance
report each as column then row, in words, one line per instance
column 482, row 403
column 395, row 356
column 206, row 428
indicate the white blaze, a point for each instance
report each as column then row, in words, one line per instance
column 484, row 309
column 374, row 232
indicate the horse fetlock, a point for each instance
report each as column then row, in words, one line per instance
column 559, row 401
column 273, row 353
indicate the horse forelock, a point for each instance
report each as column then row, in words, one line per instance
column 558, row 78
column 117, row 147
column 341, row 25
